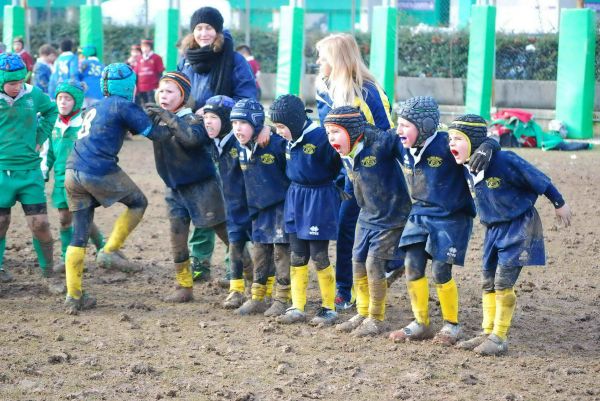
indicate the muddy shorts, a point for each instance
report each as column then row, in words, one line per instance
column 519, row 242
column 446, row 238
column 202, row 202
column 268, row 226
column 87, row 190
column 24, row 186
column 59, row 198
column 381, row 244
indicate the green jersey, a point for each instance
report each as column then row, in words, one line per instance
column 58, row 147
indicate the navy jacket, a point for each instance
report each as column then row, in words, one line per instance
column 437, row 184
column 184, row 158
column 508, row 188
column 311, row 160
column 264, row 173
column 379, row 185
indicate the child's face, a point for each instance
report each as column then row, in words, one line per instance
column 168, row 95
column 204, row 34
column 17, row 46
column 13, row 88
column 135, row 53
column 146, row 49
column 408, row 132
column 283, row 131
column 338, row 138
column 324, row 66
column 51, row 58
column 243, row 131
column 212, row 123
column 459, row 146
column 65, row 103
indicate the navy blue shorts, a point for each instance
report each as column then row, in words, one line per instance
column 519, row 242
column 88, row 190
column 446, row 238
column 202, row 202
column 239, row 223
column 268, row 226
column 312, row 212
column 382, row 244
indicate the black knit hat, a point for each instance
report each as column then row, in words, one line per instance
column 207, row 15
column 182, row 82
column 290, row 111
column 350, row 119
column 472, row 127
column 424, row 113
column 220, row 106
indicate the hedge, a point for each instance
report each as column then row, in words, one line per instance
column 424, row 54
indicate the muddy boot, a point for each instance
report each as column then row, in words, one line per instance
column 59, row 268
column 413, row 332
column 449, row 335
column 234, row 300
column 56, row 285
column 277, row 308
column 351, row 324
column 252, row 307
column 291, row 316
column 492, row 346
column 5, row 277
column 181, row 295
column 73, row 306
column 324, row 317
column 370, row 327
column 116, row 261
column 472, row 343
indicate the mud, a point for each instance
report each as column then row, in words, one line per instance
column 136, row 347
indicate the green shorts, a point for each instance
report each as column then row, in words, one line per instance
column 24, row 186
column 59, row 198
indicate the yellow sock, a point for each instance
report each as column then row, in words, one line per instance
column 270, row 284
column 418, row 292
column 124, row 225
column 326, row 278
column 361, row 285
column 74, row 270
column 258, row 291
column 183, row 274
column 505, row 307
column 299, row 282
column 488, row 301
column 237, row 285
column 378, row 294
column 448, row 295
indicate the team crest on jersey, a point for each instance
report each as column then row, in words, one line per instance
column 233, row 153
column 309, row 148
column 493, row 182
column 267, row 158
column 369, row 161
column 434, row 161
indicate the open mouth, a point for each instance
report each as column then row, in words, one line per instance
column 454, row 152
column 336, row 146
column 403, row 139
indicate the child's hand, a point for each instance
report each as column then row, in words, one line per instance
column 154, row 110
column 264, row 136
column 563, row 215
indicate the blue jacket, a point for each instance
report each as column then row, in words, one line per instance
column 41, row 76
column 101, row 138
column 437, row 184
column 185, row 157
column 91, row 72
column 379, row 185
column 243, row 85
column 311, row 160
column 264, row 173
column 66, row 68
column 376, row 105
column 227, row 151
column 508, row 188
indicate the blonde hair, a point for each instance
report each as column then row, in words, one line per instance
column 348, row 70
column 190, row 43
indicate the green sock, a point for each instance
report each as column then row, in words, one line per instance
column 65, row 240
column 40, row 254
column 97, row 239
column 2, row 248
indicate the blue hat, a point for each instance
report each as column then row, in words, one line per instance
column 251, row 111
column 424, row 113
column 88, row 51
column 118, row 79
column 12, row 68
column 75, row 89
column 221, row 106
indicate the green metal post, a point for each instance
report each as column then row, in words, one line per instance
column 14, row 24
column 165, row 37
column 90, row 28
column 575, row 84
column 289, row 52
column 384, row 49
column 464, row 12
column 480, row 68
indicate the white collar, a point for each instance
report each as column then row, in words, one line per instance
column 477, row 178
column 183, row 112
column 221, row 142
column 311, row 127
column 413, row 151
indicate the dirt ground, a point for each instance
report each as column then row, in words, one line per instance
column 136, row 347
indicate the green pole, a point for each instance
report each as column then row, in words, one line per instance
column 14, row 25
column 575, row 71
column 480, row 67
column 289, row 51
column 165, row 37
column 384, row 49
column 464, row 12
column 90, row 28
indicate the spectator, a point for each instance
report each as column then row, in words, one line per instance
column 66, row 67
column 149, row 68
column 19, row 48
column 245, row 51
column 135, row 52
column 42, row 70
column 91, row 70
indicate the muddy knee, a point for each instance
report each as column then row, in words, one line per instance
column 441, row 272
column 376, row 268
column 65, row 218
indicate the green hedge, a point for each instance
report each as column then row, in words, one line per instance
column 427, row 54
